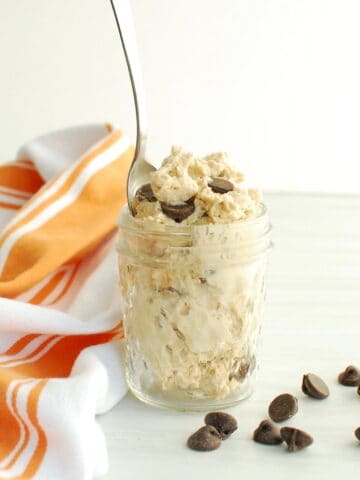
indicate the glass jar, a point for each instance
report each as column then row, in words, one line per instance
column 193, row 300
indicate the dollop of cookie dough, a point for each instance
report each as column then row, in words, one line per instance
column 184, row 178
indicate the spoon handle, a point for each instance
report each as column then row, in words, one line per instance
column 125, row 25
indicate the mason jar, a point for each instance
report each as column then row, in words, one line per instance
column 193, row 302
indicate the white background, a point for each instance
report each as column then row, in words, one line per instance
column 274, row 82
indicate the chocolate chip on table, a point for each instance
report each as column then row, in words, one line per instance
column 350, row 377
column 221, row 185
column 267, row 433
column 205, row 439
column 224, row 423
column 177, row 212
column 314, row 386
column 283, row 407
column 357, row 433
column 145, row 193
column 295, row 439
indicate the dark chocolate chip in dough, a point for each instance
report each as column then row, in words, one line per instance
column 350, row 377
column 205, row 439
column 295, row 439
column 177, row 212
column 314, row 386
column 240, row 372
column 224, row 423
column 170, row 290
column 221, row 185
column 191, row 200
column 357, row 433
column 145, row 193
column 267, row 433
column 283, row 407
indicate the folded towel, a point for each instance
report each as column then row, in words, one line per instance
column 60, row 322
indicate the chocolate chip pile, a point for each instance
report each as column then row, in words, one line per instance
column 282, row 408
column 219, row 425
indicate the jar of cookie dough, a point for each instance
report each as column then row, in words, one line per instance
column 193, row 302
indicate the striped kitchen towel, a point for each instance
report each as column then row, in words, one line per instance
column 60, row 321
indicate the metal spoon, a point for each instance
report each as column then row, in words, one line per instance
column 139, row 173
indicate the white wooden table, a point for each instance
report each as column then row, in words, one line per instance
column 312, row 324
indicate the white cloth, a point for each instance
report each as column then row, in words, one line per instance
column 61, row 439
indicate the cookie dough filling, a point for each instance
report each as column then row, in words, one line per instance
column 191, row 276
column 192, row 191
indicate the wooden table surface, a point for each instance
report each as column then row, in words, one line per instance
column 312, row 324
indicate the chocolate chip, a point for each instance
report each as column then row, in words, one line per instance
column 224, row 423
column 205, row 277
column 283, row 407
column 239, row 372
column 145, row 193
column 358, row 390
column 205, row 439
column 295, row 439
column 170, row 290
column 221, row 185
column 267, row 433
column 357, row 433
column 350, row 377
column 314, row 386
column 178, row 212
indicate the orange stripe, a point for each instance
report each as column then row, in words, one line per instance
column 38, row 455
column 26, row 428
column 10, row 430
column 32, row 354
column 57, row 362
column 21, row 196
column 110, row 140
column 10, row 206
column 26, row 160
column 26, row 180
column 20, row 344
column 19, row 164
column 67, row 286
column 48, row 288
column 39, row 193
column 60, row 358
column 33, row 257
